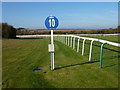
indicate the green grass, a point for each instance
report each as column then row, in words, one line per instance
column 109, row 38
column 21, row 56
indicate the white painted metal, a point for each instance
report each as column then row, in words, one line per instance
column 99, row 34
column 63, row 39
column 71, row 41
column 83, row 47
column 52, row 61
column 52, row 37
column 78, row 45
column 57, row 38
column 68, row 41
column 52, row 53
column 99, row 40
column 90, row 54
column 74, row 43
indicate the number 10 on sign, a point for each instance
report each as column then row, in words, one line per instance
column 51, row 22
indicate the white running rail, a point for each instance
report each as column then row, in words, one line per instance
column 70, row 41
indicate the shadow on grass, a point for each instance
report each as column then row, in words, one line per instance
column 110, row 65
column 107, row 48
column 76, row 64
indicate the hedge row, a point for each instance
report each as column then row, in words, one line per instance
column 8, row 31
column 40, row 31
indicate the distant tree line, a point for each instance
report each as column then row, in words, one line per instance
column 76, row 31
column 8, row 31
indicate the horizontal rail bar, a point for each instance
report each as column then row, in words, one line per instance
column 75, row 36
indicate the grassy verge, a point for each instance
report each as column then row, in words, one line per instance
column 72, row 70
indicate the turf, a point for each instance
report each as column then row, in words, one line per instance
column 109, row 38
column 72, row 70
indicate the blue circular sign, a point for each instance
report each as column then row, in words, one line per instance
column 51, row 22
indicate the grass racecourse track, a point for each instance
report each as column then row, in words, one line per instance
column 22, row 56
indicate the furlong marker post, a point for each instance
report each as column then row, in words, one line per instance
column 52, row 53
column 51, row 23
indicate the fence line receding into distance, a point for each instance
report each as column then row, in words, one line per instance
column 70, row 41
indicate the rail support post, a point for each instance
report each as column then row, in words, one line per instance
column 101, row 53
column 71, row 41
column 63, row 38
column 58, row 38
column 74, row 43
column 90, row 50
column 66, row 40
column 78, row 45
column 83, row 47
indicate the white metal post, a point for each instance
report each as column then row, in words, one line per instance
column 60, row 39
column 52, row 37
column 74, row 43
column 71, row 41
column 83, row 47
column 64, row 39
column 52, row 53
column 90, row 54
column 78, row 45
column 68, row 40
